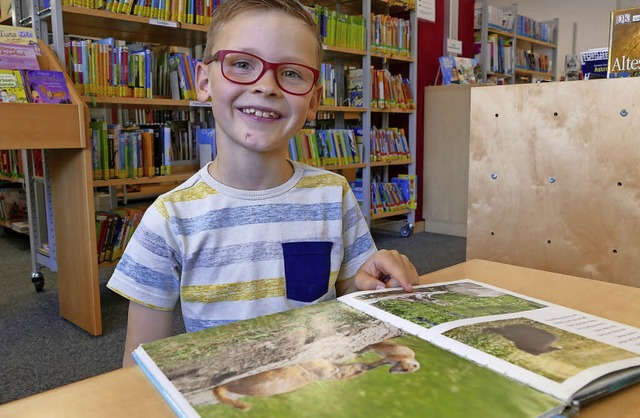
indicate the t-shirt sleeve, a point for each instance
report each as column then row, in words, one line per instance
column 357, row 240
column 149, row 271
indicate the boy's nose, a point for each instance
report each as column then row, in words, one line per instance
column 267, row 83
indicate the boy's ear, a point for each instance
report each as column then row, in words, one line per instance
column 314, row 103
column 202, row 82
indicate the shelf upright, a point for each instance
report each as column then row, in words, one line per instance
column 411, row 123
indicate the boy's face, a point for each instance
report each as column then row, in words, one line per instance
column 260, row 117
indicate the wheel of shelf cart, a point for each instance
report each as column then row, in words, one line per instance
column 406, row 230
column 38, row 281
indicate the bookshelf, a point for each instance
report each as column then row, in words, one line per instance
column 514, row 48
column 70, row 151
column 395, row 61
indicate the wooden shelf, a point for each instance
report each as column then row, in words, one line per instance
column 391, row 56
column 501, row 32
column 536, row 41
column 336, row 50
column 391, row 162
column 377, row 110
column 104, row 24
column 335, row 167
column 347, row 109
column 389, row 214
column 107, row 101
column 142, row 180
column 11, row 179
column 29, row 125
column 531, row 73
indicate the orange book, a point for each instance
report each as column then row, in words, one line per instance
column 148, row 167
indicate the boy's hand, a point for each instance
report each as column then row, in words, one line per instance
column 385, row 268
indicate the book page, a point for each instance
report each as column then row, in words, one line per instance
column 554, row 349
column 328, row 360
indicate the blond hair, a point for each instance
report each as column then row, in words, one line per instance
column 233, row 8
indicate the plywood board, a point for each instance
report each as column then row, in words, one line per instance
column 446, row 159
column 554, row 177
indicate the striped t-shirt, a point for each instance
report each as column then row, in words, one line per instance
column 232, row 254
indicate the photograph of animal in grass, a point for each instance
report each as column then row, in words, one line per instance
column 429, row 306
column 543, row 349
column 329, row 360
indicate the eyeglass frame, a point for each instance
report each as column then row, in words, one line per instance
column 266, row 65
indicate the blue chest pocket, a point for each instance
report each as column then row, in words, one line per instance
column 307, row 266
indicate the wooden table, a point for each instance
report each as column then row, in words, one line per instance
column 127, row 392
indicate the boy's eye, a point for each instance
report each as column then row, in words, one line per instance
column 243, row 65
column 292, row 74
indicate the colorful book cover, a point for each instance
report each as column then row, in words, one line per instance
column 19, row 35
column 594, row 63
column 458, row 70
column 18, row 57
column 624, row 37
column 11, row 87
column 45, row 86
column 355, row 87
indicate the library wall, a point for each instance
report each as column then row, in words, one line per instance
column 554, row 181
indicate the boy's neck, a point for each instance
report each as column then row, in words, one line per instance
column 258, row 174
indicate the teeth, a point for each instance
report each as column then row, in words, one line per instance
column 261, row 114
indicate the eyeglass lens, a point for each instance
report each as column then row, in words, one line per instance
column 247, row 69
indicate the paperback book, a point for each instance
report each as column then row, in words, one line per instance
column 18, row 57
column 594, row 63
column 11, row 87
column 19, row 35
column 458, row 70
column 45, row 86
column 624, row 37
column 447, row 348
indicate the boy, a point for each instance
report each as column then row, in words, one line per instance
column 252, row 233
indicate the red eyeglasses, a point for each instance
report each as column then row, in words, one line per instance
column 244, row 68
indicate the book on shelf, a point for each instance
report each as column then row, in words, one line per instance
column 21, row 227
column 355, row 87
column 458, row 70
column 12, row 87
column 13, row 204
column 18, row 57
column 46, row 86
column 624, row 36
column 19, row 35
column 594, row 63
column 448, row 348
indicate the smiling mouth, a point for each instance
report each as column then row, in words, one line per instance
column 261, row 113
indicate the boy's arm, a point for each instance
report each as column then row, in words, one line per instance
column 144, row 325
column 385, row 268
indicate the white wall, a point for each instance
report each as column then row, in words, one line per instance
column 591, row 16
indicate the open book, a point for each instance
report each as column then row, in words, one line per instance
column 448, row 350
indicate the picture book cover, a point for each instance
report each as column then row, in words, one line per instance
column 624, row 38
column 594, row 63
column 458, row 70
column 18, row 57
column 355, row 87
column 11, row 87
column 45, row 86
column 19, row 35
column 447, row 348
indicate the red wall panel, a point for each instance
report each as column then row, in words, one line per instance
column 430, row 48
